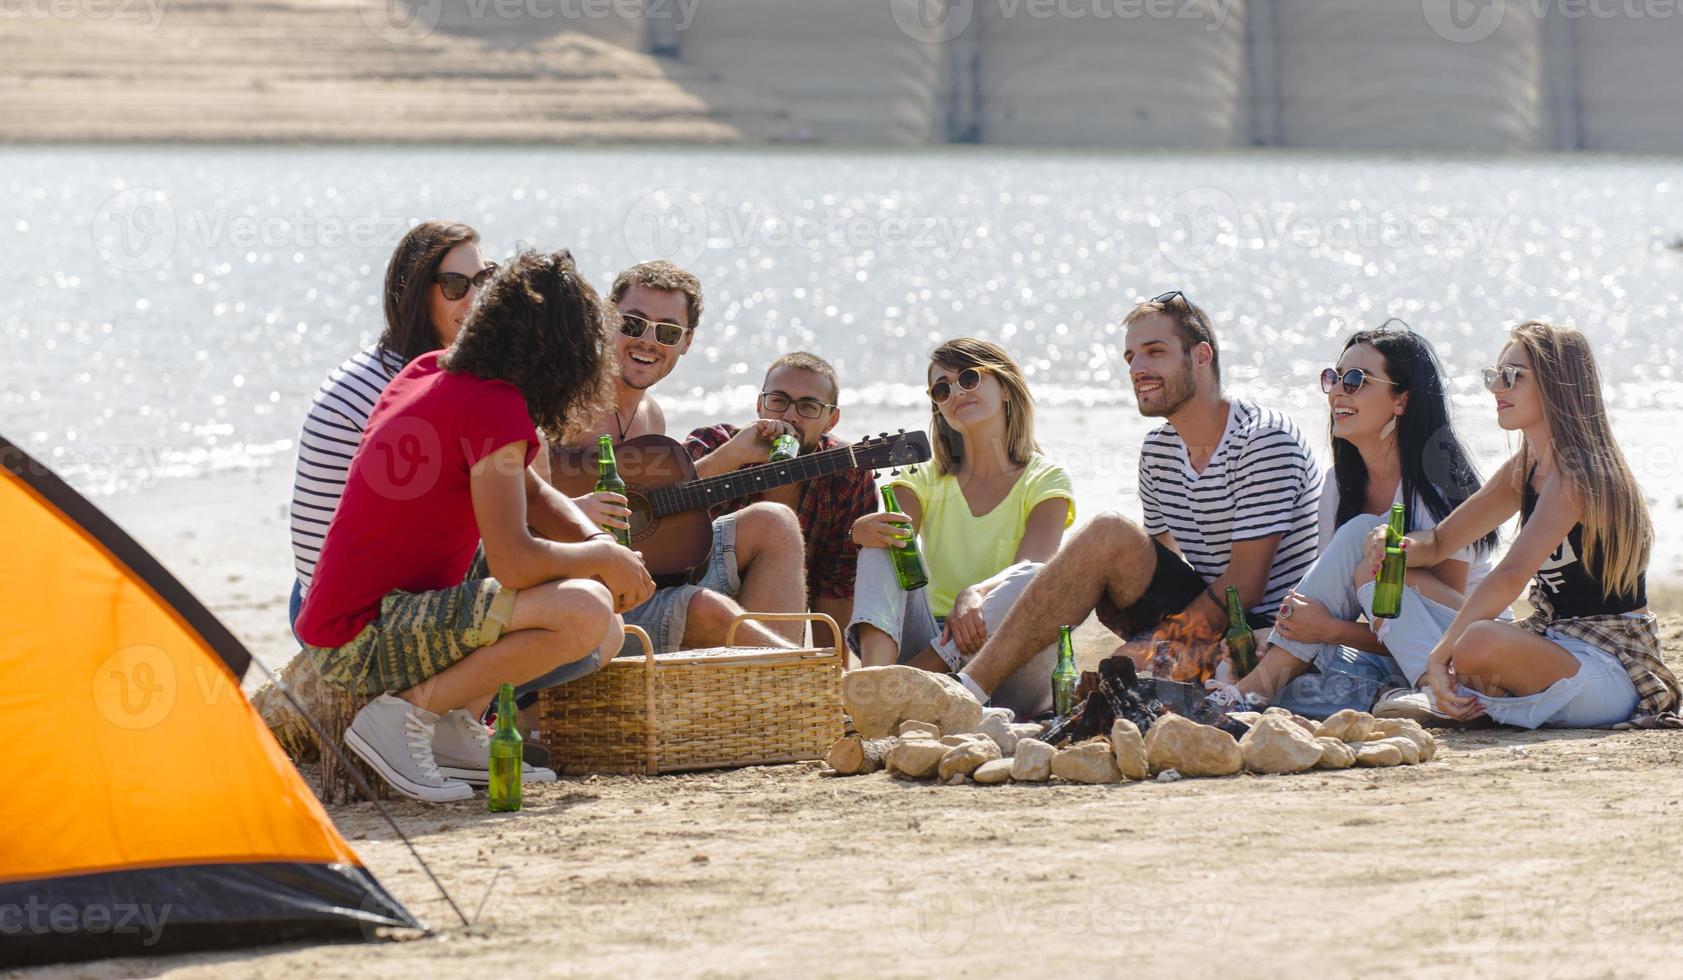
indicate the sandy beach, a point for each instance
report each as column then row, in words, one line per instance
column 1539, row 854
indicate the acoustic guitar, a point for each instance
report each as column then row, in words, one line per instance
column 670, row 523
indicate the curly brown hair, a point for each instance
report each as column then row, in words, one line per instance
column 664, row 276
column 540, row 326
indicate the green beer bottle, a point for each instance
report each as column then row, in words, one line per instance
column 784, row 448
column 609, row 482
column 1064, row 676
column 503, row 793
column 1241, row 642
column 1388, row 587
column 908, row 564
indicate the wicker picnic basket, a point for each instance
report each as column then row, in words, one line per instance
column 717, row 708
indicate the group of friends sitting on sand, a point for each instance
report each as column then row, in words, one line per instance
column 436, row 560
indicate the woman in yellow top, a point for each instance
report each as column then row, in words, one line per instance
column 989, row 510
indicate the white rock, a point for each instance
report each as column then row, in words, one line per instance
column 1033, row 761
column 1410, row 751
column 913, row 729
column 1129, row 748
column 1277, row 745
column 878, row 699
column 994, row 771
column 1348, row 725
column 1169, row 776
column 962, row 760
column 1180, row 743
column 998, row 729
column 1378, row 755
column 916, row 758
column 1091, row 761
column 1335, row 753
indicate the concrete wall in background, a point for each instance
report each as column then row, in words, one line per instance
column 1081, row 81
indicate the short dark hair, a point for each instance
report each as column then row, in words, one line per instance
column 663, row 275
column 410, row 274
column 807, row 361
column 1192, row 324
column 541, row 327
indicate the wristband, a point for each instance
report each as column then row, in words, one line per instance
column 1209, row 593
column 603, row 534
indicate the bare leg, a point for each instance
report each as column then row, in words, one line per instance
column 552, row 624
column 771, row 558
column 928, row 659
column 708, row 622
column 876, row 648
column 1505, row 661
column 1111, row 555
column 1275, row 670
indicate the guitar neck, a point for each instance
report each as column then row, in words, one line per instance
column 698, row 494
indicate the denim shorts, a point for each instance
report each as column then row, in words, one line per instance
column 1601, row 693
column 664, row 615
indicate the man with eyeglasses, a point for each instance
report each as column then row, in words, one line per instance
column 799, row 398
column 1230, row 493
column 756, row 558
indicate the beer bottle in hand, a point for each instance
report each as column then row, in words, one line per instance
column 609, row 482
column 1388, row 587
column 1064, row 675
column 784, row 448
column 502, row 795
column 1241, row 642
column 908, row 564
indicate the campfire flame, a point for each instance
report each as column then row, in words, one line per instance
column 1180, row 649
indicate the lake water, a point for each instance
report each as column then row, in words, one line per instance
column 176, row 308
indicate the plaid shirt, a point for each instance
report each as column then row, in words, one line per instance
column 828, row 507
column 1635, row 641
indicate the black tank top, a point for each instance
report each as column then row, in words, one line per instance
column 1572, row 586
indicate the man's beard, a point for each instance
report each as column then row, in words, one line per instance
column 1177, row 391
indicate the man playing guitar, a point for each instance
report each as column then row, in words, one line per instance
column 799, row 398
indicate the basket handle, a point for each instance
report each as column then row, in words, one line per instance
column 808, row 617
column 649, row 763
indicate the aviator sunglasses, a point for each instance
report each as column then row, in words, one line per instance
column 665, row 334
column 454, row 285
column 1502, row 378
column 1352, row 380
column 968, row 379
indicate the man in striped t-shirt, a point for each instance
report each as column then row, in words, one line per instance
column 1230, row 494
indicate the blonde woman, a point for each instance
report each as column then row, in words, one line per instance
column 989, row 509
column 1589, row 656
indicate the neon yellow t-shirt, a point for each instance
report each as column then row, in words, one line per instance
column 961, row 549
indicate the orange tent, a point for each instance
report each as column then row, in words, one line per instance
column 146, row 808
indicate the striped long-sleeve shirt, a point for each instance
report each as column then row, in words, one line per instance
column 1262, row 481
column 332, row 431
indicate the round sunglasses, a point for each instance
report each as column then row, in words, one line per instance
column 1352, row 380
column 665, row 334
column 454, row 285
column 1502, row 377
column 968, row 379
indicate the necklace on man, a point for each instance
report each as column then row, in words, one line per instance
column 621, row 425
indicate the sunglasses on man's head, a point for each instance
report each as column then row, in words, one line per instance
column 454, row 285
column 1502, row 377
column 1170, row 297
column 1352, row 380
column 665, row 334
column 968, row 379
column 806, row 408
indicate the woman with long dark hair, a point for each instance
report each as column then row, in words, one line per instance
column 1392, row 443
column 431, row 281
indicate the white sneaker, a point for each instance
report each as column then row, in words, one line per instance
column 395, row 737
column 462, row 745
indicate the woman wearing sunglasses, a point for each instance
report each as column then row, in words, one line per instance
column 1392, row 443
column 1589, row 655
column 989, row 509
column 431, row 281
